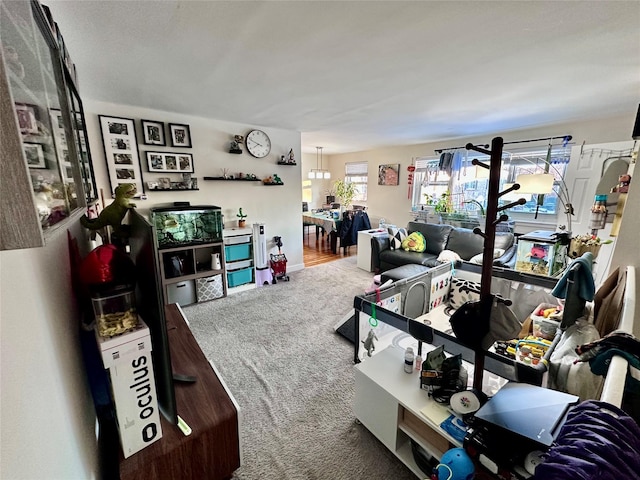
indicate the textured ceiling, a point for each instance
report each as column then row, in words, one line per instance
column 361, row 74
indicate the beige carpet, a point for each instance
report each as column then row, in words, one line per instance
column 293, row 377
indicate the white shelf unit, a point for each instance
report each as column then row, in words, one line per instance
column 239, row 259
column 388, row 402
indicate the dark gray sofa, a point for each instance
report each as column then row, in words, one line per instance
column 440, row 237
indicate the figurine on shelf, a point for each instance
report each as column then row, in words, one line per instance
column 235, row 144
column 276, row 179
column 623, row 184
column 291, row 159
column 113, row 214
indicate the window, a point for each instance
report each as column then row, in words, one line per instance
column 307, row 192
column 469, row 184
column 357, row 173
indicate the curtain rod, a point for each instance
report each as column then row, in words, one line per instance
column 566, row 138
column 440, row 150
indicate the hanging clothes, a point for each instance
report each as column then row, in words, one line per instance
column 458, row 161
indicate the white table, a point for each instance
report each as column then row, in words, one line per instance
column 365, row 261
column 390, row 404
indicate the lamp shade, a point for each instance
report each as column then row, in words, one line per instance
column 327, row 174
column 535, row 183
column 312, row 175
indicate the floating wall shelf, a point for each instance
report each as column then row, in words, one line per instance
column 233, row 179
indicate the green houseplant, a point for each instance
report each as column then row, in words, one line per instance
column 345, row 192
column 241, row 218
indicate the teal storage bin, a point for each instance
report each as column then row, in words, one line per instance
column 237, row 252
column 240, row 277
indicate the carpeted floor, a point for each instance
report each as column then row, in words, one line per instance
column 293, row 377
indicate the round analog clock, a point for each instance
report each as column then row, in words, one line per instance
column 258, row 143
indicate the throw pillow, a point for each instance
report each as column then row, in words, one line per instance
column 463, row 291
column 396, row 236
column 447, row 256
column 497, row 253
column 415, row 242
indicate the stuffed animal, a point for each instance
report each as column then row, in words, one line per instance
column 415, row 242
column 114, row 213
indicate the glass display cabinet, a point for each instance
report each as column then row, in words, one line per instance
column 47, row 173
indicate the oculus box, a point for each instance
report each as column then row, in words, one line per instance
column 128, row 359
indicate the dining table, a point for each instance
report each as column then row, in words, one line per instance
column 325, row 222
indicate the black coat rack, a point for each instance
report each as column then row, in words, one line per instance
column 482, row 309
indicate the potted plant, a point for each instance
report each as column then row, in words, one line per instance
column 345, row 192
column 241, row 218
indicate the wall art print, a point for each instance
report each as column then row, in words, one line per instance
column 389, row 174
column 121, row 152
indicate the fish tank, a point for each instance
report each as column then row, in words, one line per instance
column 180, row 226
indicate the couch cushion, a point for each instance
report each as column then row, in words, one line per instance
column 396, row 236
column 435, row 234
column 467, row 244
column 400, row 257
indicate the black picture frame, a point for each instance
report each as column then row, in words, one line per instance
column 180, row 135
column 153, row 133
column 170, row 162
column 121, row 152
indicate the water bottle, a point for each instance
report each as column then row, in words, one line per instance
column 409, row 357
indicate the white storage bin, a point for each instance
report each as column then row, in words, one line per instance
column 237, row 239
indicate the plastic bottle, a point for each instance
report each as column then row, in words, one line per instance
column 418, row 363
column 598, row 213
column 409, row 357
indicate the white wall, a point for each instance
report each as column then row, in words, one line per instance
column 277, row 207
column 47, row 413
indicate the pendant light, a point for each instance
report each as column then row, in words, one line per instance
column 319, row 173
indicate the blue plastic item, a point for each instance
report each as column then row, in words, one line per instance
column 455, row 464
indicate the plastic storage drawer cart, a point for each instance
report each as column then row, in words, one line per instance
column 237, row 252
column 239, row 277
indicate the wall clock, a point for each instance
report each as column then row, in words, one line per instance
column 258, row 143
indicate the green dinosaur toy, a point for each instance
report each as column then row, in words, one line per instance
column 113, row 214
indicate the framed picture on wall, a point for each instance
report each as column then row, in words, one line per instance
column 389, row 174
column 167, row 162
column 34, row 154
column 180, row 135
column 27, row 119
column 121, row 152
column 153, row 133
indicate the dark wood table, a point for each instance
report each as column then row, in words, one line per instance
column 212, row 451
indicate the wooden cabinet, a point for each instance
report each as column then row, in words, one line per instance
column 184, row 270
column 46, row 165
column 212, row 450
